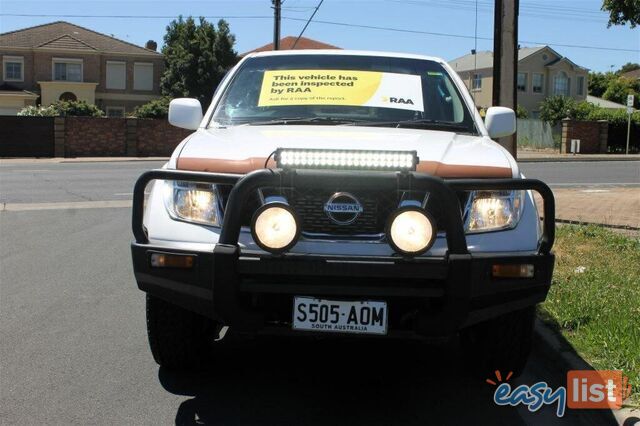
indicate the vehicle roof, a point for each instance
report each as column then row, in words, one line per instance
column 346, row 53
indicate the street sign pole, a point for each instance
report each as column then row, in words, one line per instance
column 628, row 129
column 629, row 111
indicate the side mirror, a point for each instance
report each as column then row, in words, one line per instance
column 185, row 113
column 500, row 122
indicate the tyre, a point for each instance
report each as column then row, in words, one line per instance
column 503, row 343
column 179, row 339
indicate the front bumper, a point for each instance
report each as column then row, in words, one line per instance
column 253, row 291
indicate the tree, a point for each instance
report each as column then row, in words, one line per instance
column 599, row 82
column 619, row 88
column 197, row 56
column 622, row 11
column 629, row 66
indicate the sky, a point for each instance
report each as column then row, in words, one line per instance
column 443, row 28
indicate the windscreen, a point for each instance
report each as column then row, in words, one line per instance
column 342, row 89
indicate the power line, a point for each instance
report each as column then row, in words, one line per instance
column 307, row 24
column 31, row 15
column 399, row 30
column 526, row 10
column 439, row 34
column 333, row 23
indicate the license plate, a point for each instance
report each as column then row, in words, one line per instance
column 339, row 316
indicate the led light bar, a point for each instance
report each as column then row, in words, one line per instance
column 293, row 158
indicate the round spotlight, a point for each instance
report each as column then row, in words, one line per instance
column 411, row 231
column 274, row 227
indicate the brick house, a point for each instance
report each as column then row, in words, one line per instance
column 542, row 72
column 60, row 60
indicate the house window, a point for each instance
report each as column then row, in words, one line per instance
column 142, row 76
column 537, row 83
column 580, row 84
column 116, row 75
column 115, row 112
column 561, row 84
column 476, row 83
column 522, row 82
column 13, row 68
column 67, row 69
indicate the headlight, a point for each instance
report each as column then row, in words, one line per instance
column 275, row 227
column 411, row 231
column 192, row 202
column 494, row 210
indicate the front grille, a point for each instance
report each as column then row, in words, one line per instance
column 309, row 203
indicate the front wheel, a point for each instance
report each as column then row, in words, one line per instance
column 503, row 343
column 179, row 339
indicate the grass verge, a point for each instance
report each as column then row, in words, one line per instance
column 595, row 298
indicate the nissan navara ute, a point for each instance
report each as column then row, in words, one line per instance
column 342, row 192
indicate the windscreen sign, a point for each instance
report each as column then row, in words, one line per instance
column 341, row 87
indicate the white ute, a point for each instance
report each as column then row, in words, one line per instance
column 342, row 192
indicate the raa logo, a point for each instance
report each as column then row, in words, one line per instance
column 393, row 100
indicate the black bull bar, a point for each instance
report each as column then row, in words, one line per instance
column 225, row 275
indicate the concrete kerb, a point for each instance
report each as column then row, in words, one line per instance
column 550, row 159
column 79, row 160
column 553, row 342
column 585, row 158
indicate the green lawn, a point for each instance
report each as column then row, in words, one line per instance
column 595, row 298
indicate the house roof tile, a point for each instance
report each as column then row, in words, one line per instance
column 67, row 42
column 484, row 59
column 65, row 35
column 635, row 74
column 286, row 43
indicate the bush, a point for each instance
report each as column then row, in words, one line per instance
column 613, row 116
column 158, row 108
column 39, row 111
column 78, row 109
column 521, row 112
column 556, row 108
column 63, row 108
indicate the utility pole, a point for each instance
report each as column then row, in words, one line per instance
column 505, row 61
column 277, row 6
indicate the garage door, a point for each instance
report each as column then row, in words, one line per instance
column 26, row 136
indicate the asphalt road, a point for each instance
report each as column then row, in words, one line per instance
column 73, row 346
column 37, row 182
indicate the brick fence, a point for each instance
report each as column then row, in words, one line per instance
column 95, row 137
column 91, row 137
column 593, row 136
column 133, row 137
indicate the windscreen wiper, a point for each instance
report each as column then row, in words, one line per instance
column 421, row 123
column 303, row 120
